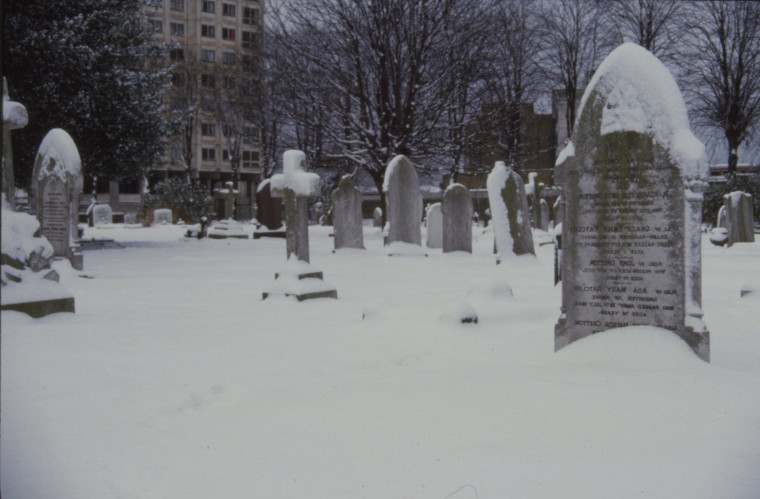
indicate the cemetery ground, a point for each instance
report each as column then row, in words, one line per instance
column 174, row 379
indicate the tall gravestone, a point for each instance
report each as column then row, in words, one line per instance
column 738, row 214
column 457, row 212
column 298, row 278
column 633, row 183
column 434, row 224
column 509, row 211
column 347, row 215
column 544, row 210
column 403, row 201
column 57, row 182
column 270, row 207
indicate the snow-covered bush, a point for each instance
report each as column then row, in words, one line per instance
column 188, row 201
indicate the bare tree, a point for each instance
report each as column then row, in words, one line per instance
column 723, row 70
column 184, row 99
column 653, row 24
column 575, row 38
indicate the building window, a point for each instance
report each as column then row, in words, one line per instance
column 228, row 9
column 249, row 39
column 228, row 83
column 208, row 129
column 208, row 154
column 208, row 80
column 208, row 6
column 177, row 29
column 228, row 57
column 250, row 159
column 156, row 25
column 208, row 104
column 208, row 55
column 177, row 55
column 228, row 34
column 250, row 16
column 250, row 135
column 208, row 30
column 177, row 4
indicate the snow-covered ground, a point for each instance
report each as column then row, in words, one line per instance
column 174, row 379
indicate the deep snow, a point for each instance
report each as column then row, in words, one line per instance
column 174, row 379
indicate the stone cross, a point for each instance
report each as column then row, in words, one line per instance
column 457, row 219
column 403, row 201
column 294, row 186
column 14, row 117
column 347, row 215
column 633, row 182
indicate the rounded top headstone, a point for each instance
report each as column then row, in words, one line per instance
column 57, row 155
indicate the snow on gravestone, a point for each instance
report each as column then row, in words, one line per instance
column 101, row 214
column 162, row 216
column 457, row 219
column 633, row 183
column 57, row 182
column 434, row 224
column 509, row 212
column 347, row 215
column 403, row 201
column 737, row 209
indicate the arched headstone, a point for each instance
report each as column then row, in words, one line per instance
column 457, row 219
column 403, row 201
column 347, row 215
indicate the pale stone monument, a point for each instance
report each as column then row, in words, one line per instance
column 56, row 184
column 509, row 212
column 15, row 116
column 347, row 215
column 162, row 216
column 434, row 225
column 377, row 217
column 544, row 210
column 738, row 214
column 101, row 215
column 403, row 201
column 633, row 178
column 457, row 219
column 297, row 278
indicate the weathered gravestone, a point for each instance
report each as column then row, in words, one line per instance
column 533, row 191
column 297, row 278
column 434, row 225
column 738, row 214
column 509, row 212
column 57, row 182
column 633, row 183
column 377, row 217
column 15, row 116
column 101, row 215
column 544, row 210
column 347, row 215
column 403, row 201
column 457, row 219
column 270, row 207
column 162, row 216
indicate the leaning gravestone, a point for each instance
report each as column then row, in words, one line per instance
column 434, row 224
column 633, row 183
column 57, row 182
column 347, row 215
column 101, row 215
column 403, row 201
column 509, row 212
column 737, row 207
column 297, row 278
column 162, row 216
column 457, row 219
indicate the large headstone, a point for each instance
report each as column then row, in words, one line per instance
column 57, row 182
column 457, row 219
column 509, row 212
column 403, row 201
column 633, row 183
column 270, row 207
column 738, row 211
column 434, row 225
column 347, row 215
column 297, row 278
column 101, row 215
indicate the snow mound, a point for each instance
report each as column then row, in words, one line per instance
column 638, row 348
column 642, row 96
column 58, row 155
column 18, row 231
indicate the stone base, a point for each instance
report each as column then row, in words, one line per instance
column 315, row 274
column 301, row 280
column 280, row 234
column 218, row 235
column 43, row 307
column 329, row 293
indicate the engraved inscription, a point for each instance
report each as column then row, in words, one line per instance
column 54, row 219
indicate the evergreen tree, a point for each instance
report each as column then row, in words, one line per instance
column 92, row 68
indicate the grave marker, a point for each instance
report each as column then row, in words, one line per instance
column 347, row 215
column 457, row 219
column 101, row 215
column 434, row 224
column 738, row 213
column 509, row 212
column 403, row 201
